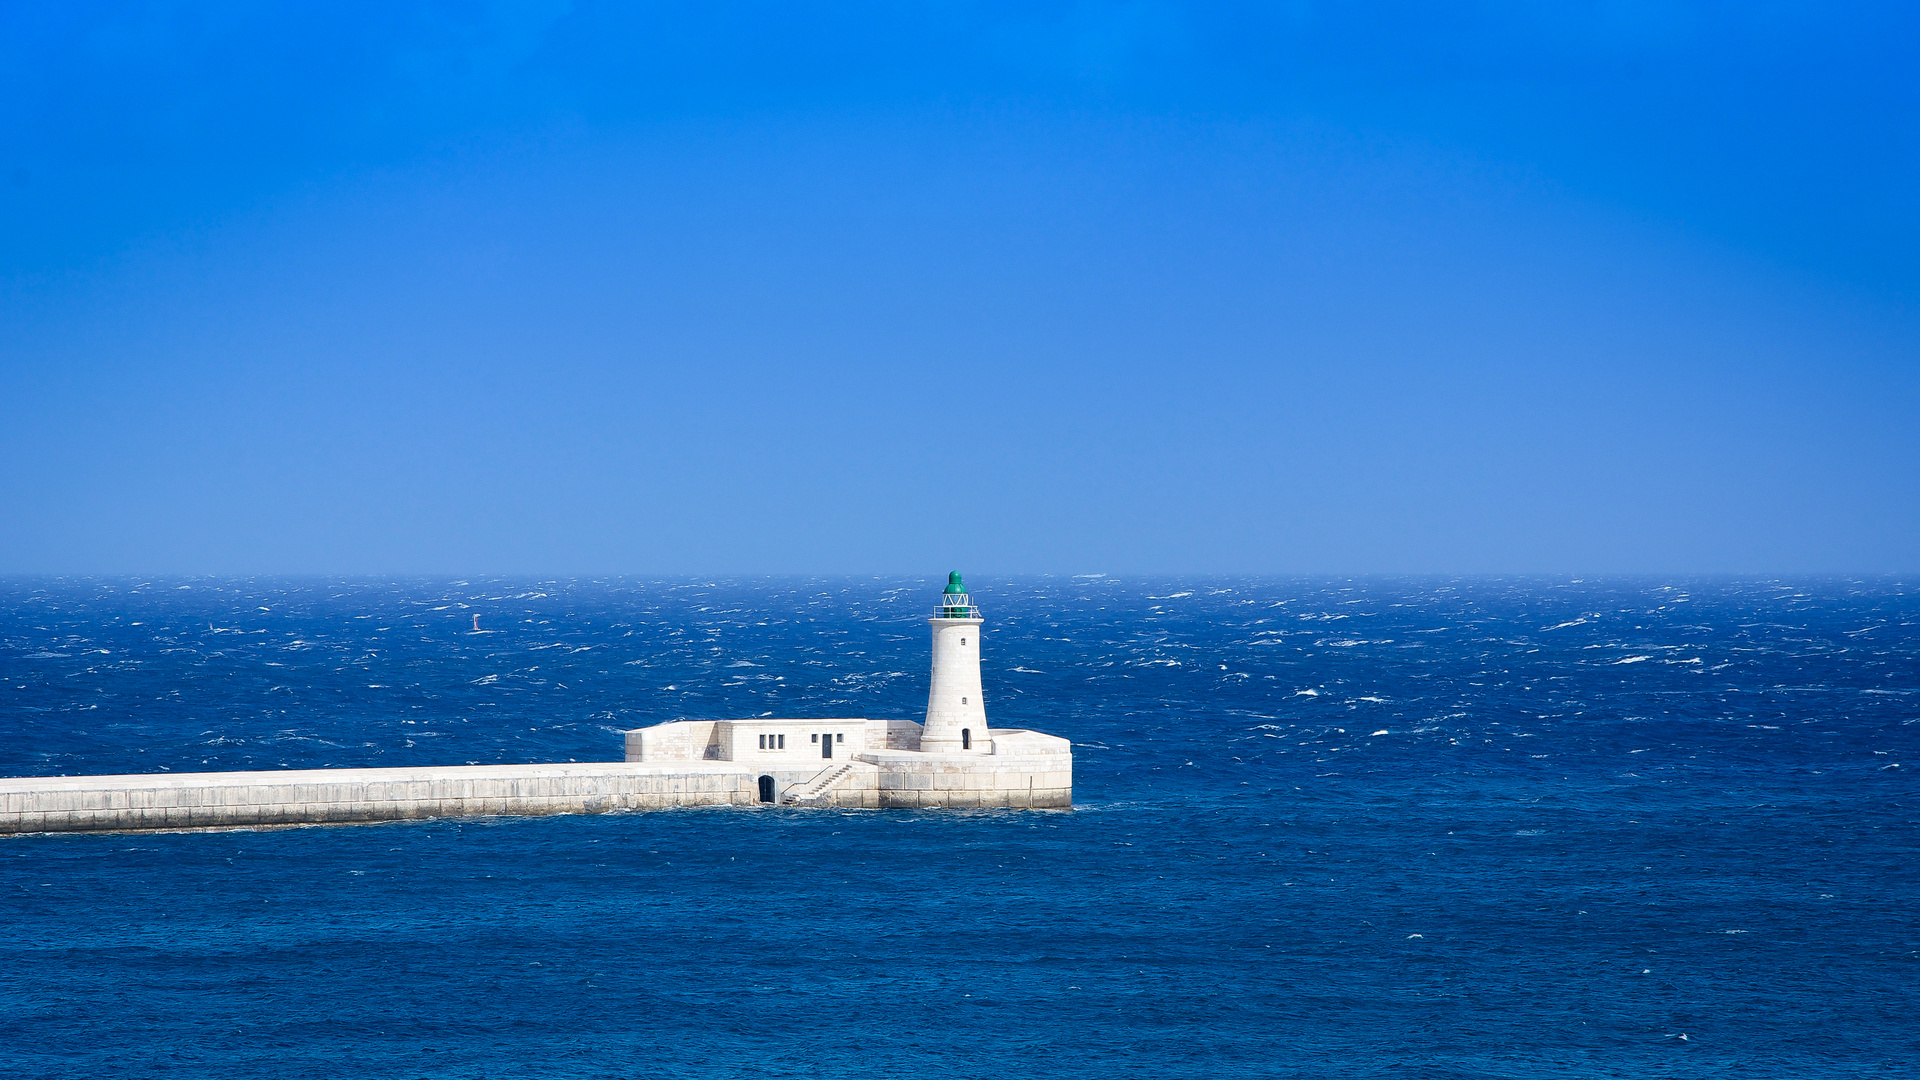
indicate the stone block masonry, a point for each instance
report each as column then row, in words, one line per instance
column 339, row 796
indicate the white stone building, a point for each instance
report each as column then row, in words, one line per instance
column 952, row 758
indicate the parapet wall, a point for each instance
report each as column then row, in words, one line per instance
column 320, row 796
column 681, row 740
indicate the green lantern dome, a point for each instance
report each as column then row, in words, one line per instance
column 955, row 603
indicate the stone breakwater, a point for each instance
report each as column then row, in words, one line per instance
column 712, row 763
column 341, row 796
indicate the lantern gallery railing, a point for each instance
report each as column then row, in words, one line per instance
column 956, row 606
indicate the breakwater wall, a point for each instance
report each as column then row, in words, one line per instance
column 335, row 796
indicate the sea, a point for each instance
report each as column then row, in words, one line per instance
column 1423, row 827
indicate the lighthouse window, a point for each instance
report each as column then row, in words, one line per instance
column 841, row 737
column 963, row 641
column 783, row 742
column 816, row 737
column 966, row 739
column 763, row 742
column 963, row 701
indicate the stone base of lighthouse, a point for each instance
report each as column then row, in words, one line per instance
column 866, row 763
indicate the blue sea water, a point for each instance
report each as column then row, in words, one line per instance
column 1368, row 828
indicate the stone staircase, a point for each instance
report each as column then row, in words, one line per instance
column 817, row 789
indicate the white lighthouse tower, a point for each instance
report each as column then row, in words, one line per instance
column 956, row 715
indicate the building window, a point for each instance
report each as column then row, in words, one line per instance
column 842, row 737
column 783, row 742
column 963, row 701
column 963, row 641
column 763, row 742
column 966, row 739
column 816, row 738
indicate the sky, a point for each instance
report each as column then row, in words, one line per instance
column 717, row 288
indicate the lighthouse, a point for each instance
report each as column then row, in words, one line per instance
column 956, row 715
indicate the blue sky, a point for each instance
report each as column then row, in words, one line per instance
column 735, row 288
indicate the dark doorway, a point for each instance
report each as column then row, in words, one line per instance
column 826, row 746
column 766, row 789
column 966, row 739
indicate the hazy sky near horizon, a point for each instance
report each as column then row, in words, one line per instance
column 477, row 287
